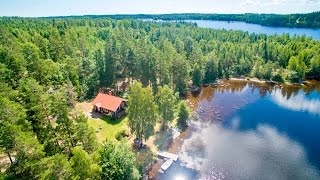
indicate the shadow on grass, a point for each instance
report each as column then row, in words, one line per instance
column 112, row 121
column 163, row 140
column 95, row 115
column 144, row 157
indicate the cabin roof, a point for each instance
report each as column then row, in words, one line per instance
column 108, row 102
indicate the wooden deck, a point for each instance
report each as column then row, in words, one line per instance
column 167, row 155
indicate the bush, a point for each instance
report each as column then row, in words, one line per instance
column 293, row 77
column 277, row 77
column 121, row 135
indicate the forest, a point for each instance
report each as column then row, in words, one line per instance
column 49, row 64
column 309, row 20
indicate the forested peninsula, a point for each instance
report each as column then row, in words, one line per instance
column 49, row 64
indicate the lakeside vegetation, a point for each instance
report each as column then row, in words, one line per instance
column 48, row 64
column 307, row 20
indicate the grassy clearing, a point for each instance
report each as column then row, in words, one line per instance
column 110, row 127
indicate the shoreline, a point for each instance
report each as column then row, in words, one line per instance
column 270, row 82
column 176, row 145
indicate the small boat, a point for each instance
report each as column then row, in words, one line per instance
column 175, row 133
column 167, row 164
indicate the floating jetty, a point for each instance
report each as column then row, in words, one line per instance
column 167, row 155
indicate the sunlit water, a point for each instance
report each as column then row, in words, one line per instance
column 253, row 28
column 248, row 131
column 256, row 28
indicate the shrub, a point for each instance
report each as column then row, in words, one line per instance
column 121, row 134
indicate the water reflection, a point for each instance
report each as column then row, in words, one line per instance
column 219, row 153
column 254, row 131
column 260, row 154
column 298, row 102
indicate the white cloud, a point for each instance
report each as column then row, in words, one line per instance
column 262, row 3
column 263, row 153
column 313, row 1
column 297, row 103
column 265, row 3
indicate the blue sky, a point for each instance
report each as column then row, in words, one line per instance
column 35, row 8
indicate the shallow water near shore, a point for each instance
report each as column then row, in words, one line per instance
column 244, row 130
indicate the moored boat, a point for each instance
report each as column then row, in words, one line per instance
column 167, row 164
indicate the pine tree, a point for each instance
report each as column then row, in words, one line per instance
column 111, row 60
column 197, row 76
column 211, row 71
column 180, row 69
column 183, row 114
column 54, row 167
column 85, row 135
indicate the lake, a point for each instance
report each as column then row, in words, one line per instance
column 256, row 28
column 243, row 130
column 253, row 28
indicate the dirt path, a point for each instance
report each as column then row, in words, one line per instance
column 4, row 162
column 86, row 108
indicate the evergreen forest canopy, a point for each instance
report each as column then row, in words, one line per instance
column 309, row 20
column 47, row 64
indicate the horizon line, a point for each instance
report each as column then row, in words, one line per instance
column 129, row 14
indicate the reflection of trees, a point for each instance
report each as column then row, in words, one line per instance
column 287, row 91
column 233, row 86
column 262, row 88
column 238, row 86
column 312, row 85
column 206, row 94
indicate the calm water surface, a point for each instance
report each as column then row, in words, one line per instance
column 253, row 28
column 256, row 28
column 251, row 131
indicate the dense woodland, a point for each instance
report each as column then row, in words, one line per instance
column 309, row 20
column 47, row 65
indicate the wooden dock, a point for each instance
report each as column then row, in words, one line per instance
column 167, row 155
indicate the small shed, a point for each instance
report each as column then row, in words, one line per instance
column 109, row 105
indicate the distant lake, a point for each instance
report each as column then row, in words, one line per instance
column 252, row 131
column 256, row 28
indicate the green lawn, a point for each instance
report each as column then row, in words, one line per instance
column 109, row 127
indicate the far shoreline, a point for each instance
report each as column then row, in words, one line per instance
column 272, row 83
